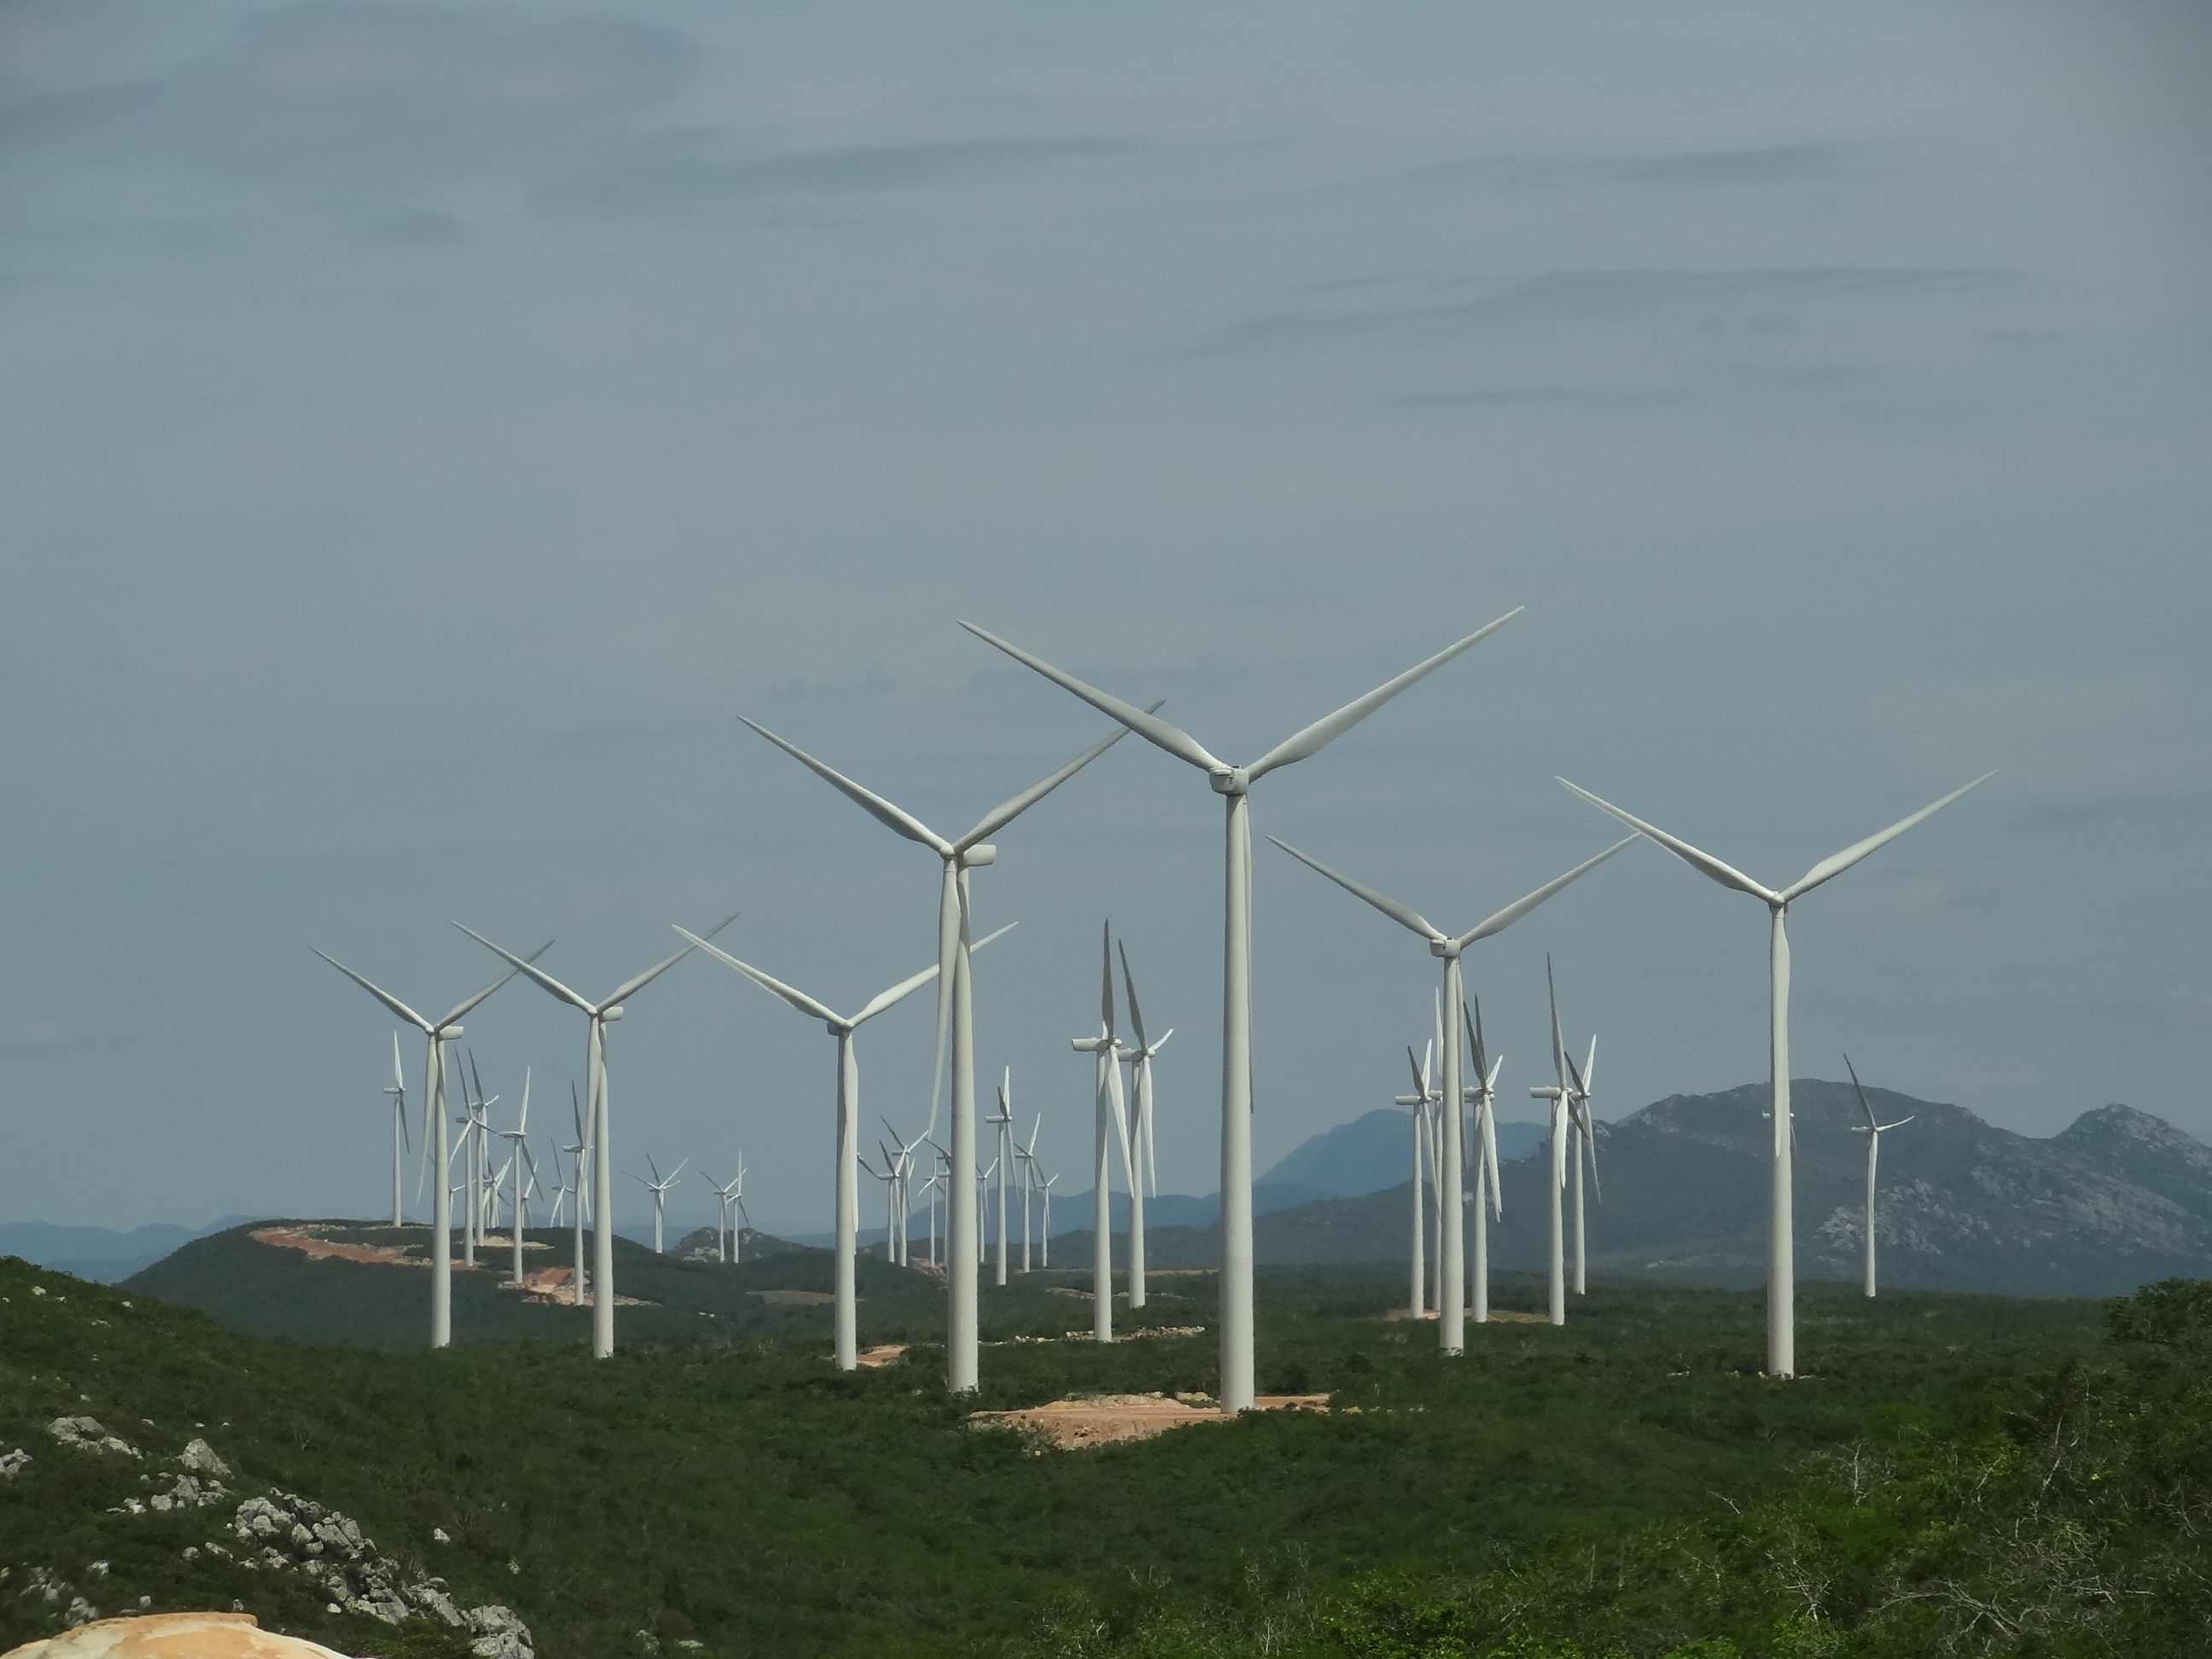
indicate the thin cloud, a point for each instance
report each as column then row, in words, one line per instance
column 381, row 107
column 1603, row 296
column 1764, row 166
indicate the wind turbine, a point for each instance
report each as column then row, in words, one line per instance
column 1003, row 1121
column 1233, row 783
column 398, row 1093
column 580, row 1151
column 1874, row 1131
column 842, row 1027
column 1451, row 1297
column 436, row 1033
column 725, row 1206
column 1482, row 1095
column 956, row 1012
column 1028, row 1185
column 1781, row 1244
column 1044, row 1225
column 520, row 1135
column 1143, row 1160
column 1582, row 1133
column 599, row 1015
column 1106, row 1115
column 659, row 1186
column 1562, row 1098
column 1417, row 1302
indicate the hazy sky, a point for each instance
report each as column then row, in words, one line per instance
column 428, row 427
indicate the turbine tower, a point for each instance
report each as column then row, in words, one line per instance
column 1003, row 1121
column 1874, row 1131
column 1451, row 1292
column 659, row 1186
column 1489, row 1194
column 1781, row 1245
column 1561, row 1095
column 1144, row 1161
column 598, row 1016
column 1233, row 783
column 1583, row 1136
column 520, row 1135
column 436, row 1034
column 847, row 1175
column 1417, row 1302
column 956, row 1012
column 1106, row 1115
column 398, row 1093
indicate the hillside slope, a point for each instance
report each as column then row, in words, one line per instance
column 2119, row 1199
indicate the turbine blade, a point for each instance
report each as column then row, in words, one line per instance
column 1520, row 908
column 1129, row 981
column 1421, row 1082
column 398, row 1079
column 768, row 982
column 521, row 966
column 1863, row 1107
column 894, row 818
column 1006, row 812
column 1589, row 1066
column 1143, row 723
column 1402, row 915
column 948, row 946
column 1727, row 875
column 631, row 987
column 1322, row 732
column 1558, row 1039
column 1106, row 980
column 898, row 993
column 1836, row 864
column 383, row 996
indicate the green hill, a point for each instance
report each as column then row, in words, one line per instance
column 2119, row 1199
column 1628, row 1484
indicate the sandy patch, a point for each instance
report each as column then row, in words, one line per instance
column 1104, row 1419
column 311, row 1244
column 886, row 1355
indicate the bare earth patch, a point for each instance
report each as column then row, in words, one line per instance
column 1498, row 1316
column 886, row 1355
column 1071, row 1425
column 547, row 1285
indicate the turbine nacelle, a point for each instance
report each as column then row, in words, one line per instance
column 1231, row 780
column 609, row 1016
column 974, row 857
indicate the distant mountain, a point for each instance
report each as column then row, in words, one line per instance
column 99, row 1253
column 2117, row 1200
column 1375, row 1152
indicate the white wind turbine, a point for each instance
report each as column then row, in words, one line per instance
column 398, row 1093
column 1561, row 1095
column 726, row 1193
column 436, row 1034
column 599, row 1015
column 1003, row 1121
column 1781, row 1244
column 1582, row 1135
column 579, row 1153
column 848, row 1186
column 1451, row 1292
column 1044, row 1223
column 1417, row 1304
column 1107, row 1123
column 659, row 1186
column 1489, row 1197
column 519, row 1135
column 1233, row 783
column 1028, row 1185
column 1874, row 1131
column 1143, row 1163
column 956, row 1012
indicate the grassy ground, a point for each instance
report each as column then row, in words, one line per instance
column 1621, row 1483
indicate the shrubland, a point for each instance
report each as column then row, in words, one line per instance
column 1953, row 1475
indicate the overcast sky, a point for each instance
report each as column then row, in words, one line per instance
column 427, row 427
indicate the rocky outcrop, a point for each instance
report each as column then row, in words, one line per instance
column 173, row 1636
column 284, row 1532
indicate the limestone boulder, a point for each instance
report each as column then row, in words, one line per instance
column 173, row 1636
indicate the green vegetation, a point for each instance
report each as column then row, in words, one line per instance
column 1958, row 1474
